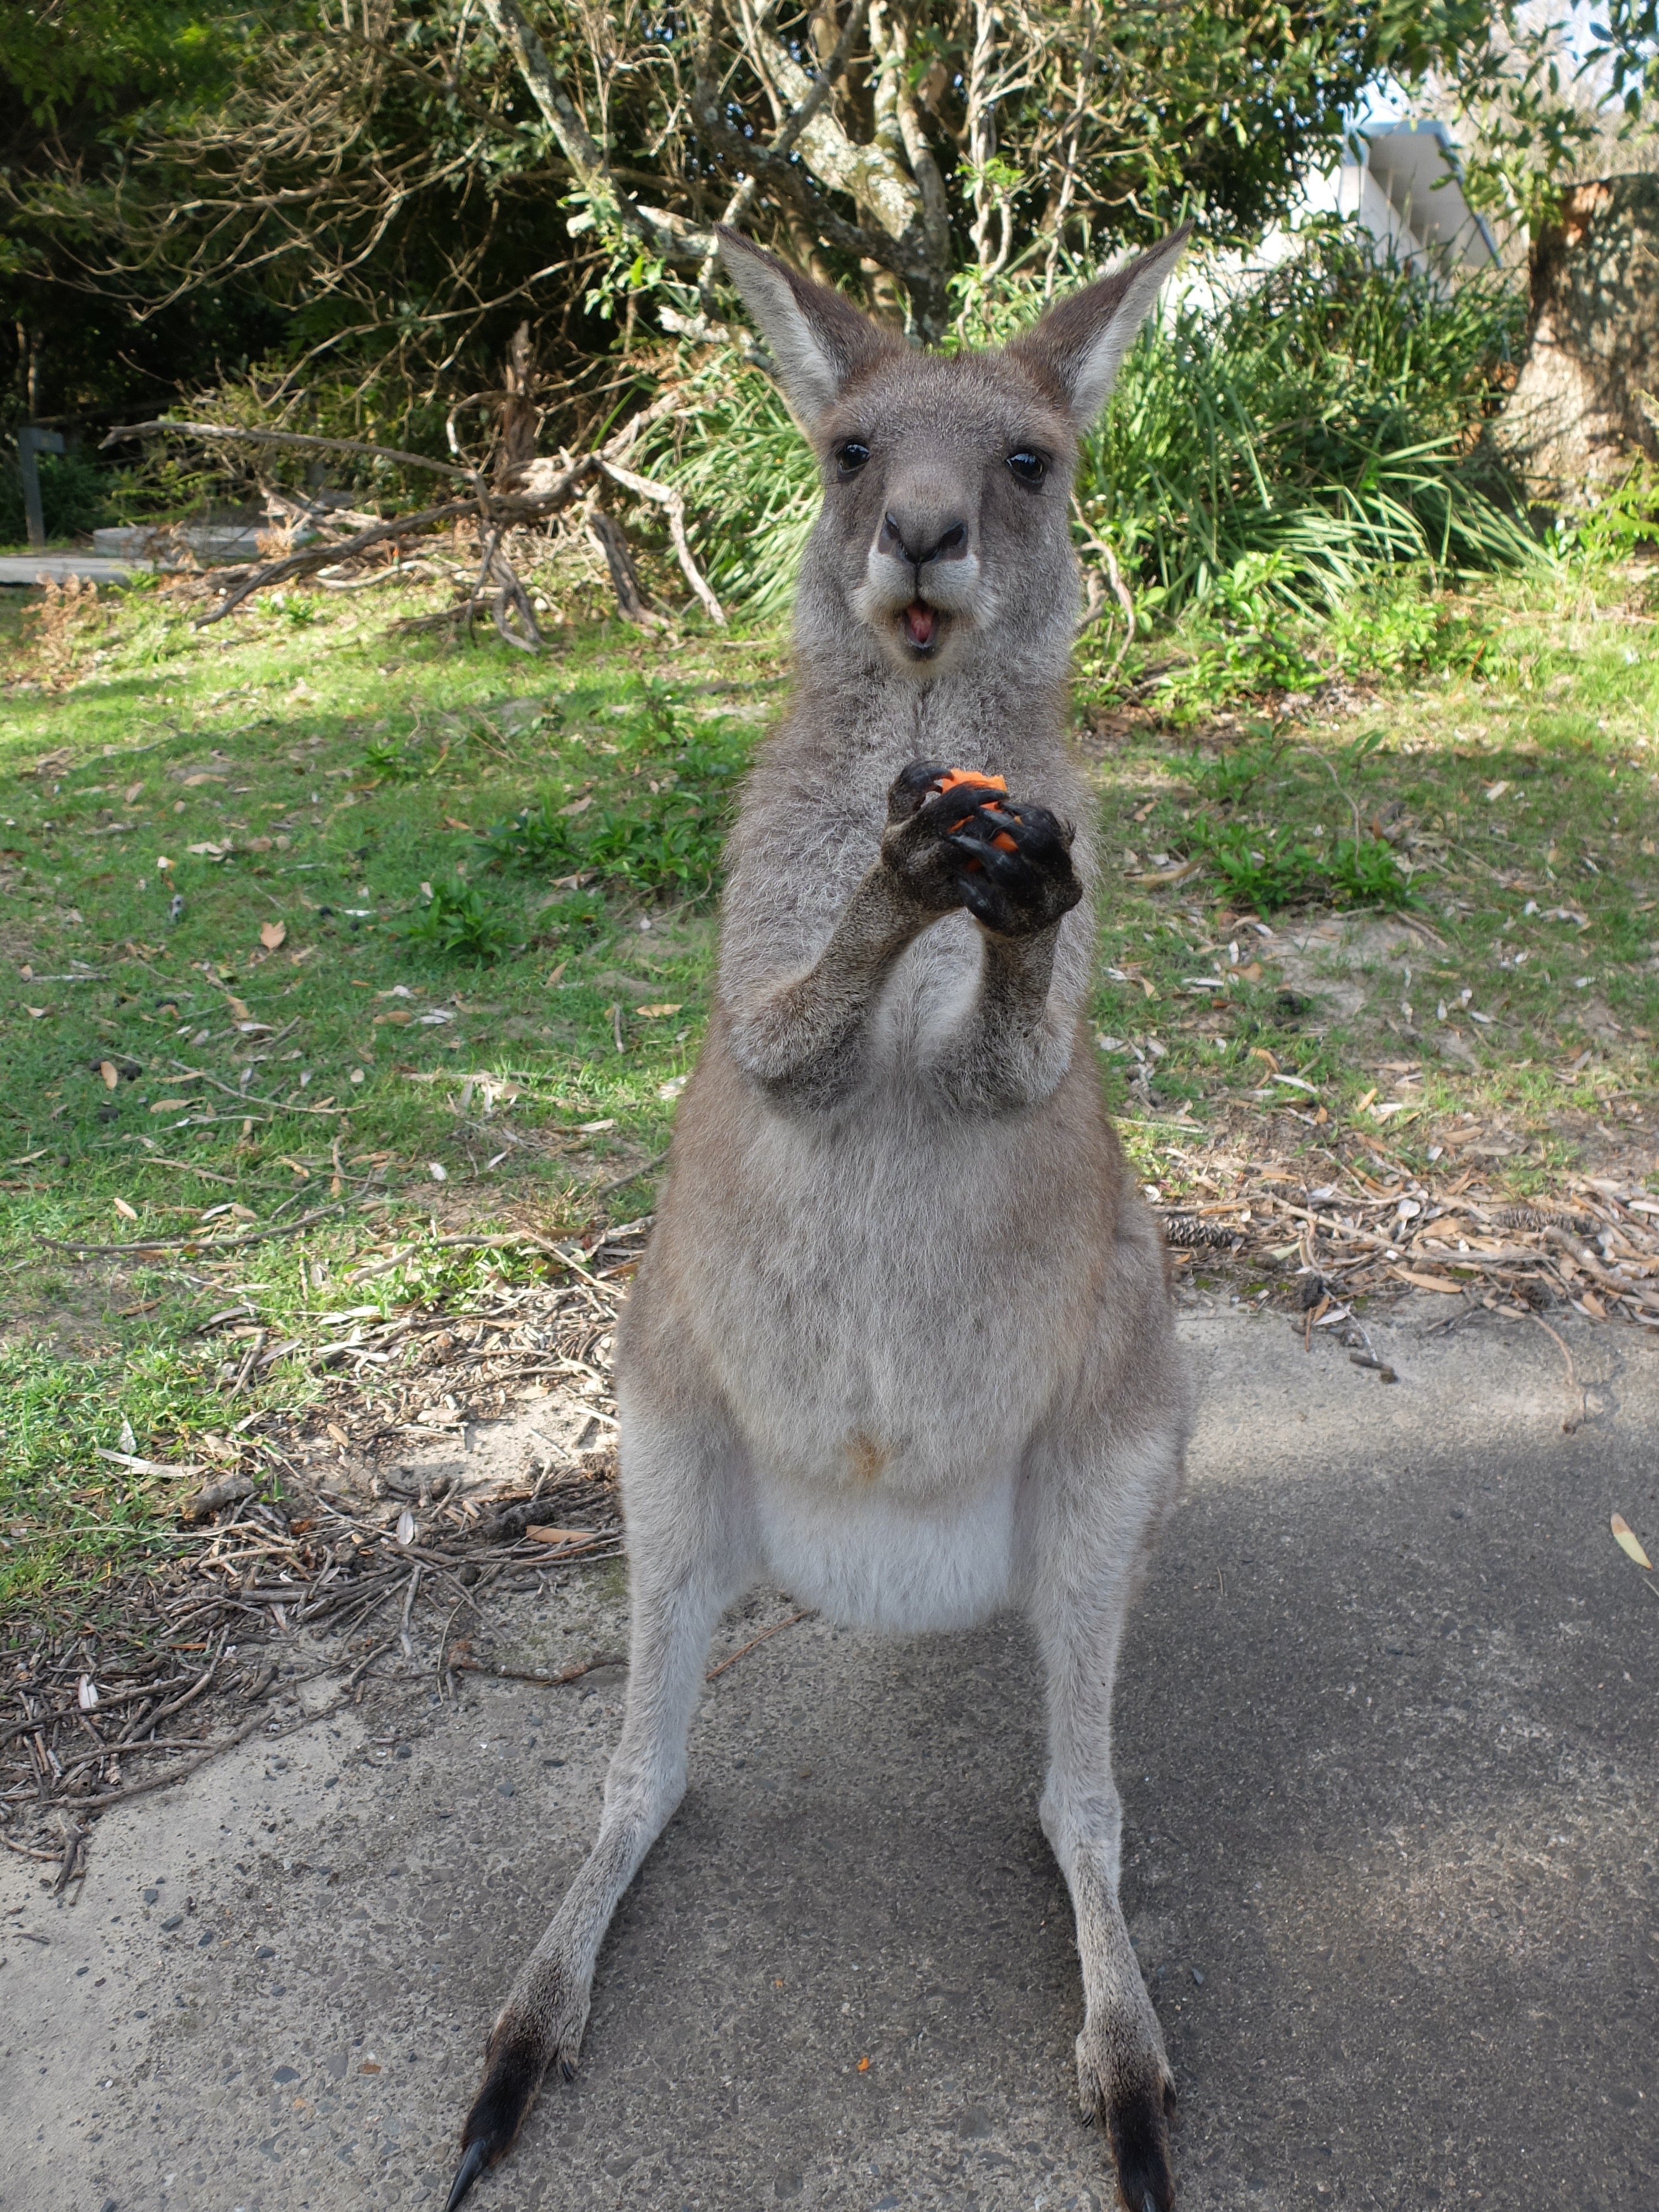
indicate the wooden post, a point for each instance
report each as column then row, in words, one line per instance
column 31, row 441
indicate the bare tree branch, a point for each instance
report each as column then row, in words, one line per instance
column 664, row 234
column 295, row 441
column 667, row 497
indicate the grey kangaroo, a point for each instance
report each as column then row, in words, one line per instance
column 901, row 1342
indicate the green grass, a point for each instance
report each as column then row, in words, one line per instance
column 417, row 982
column 448, row 933
column 1505, row 802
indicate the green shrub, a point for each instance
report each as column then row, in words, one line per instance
column 75, row 498
column 1401, row 626
column 1266, row 869
column 392, row 761
column 1323, row 424
column 1328, row 419
column 459, row 922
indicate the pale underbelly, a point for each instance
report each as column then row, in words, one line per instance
column 869, row 1559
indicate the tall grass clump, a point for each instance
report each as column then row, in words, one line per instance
column 749, row 478
column 1325, row 423
column 1329, row 420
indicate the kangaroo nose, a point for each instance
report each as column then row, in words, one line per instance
column 919, row 543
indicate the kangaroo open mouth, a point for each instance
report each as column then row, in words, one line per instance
column 921, row 625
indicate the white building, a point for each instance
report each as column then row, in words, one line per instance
column 1404, row 183
column 1401, row 182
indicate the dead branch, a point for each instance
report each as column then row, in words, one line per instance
column 669, row 499
column 295, row 441
column 324, row 556
column 533, row 489
column 612, row 541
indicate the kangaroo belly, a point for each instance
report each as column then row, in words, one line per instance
column 888, row 1308
column 880, row 1561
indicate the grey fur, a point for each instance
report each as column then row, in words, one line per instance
column 901, row 1340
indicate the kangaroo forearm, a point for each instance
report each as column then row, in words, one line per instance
column 800, row 1039
column 1014, row 1045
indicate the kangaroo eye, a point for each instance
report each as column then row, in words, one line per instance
column 1031, row 468
column 851, row 457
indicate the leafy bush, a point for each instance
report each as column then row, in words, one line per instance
column 1329, row 418
column 1267, row 869
column 458, row 921
column 1623, row 519
column 1400, row 627
column 75, row 498
column 1260, row 868
column 674, row 846
column 1366, row 871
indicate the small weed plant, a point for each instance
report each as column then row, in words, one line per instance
column 459, row 922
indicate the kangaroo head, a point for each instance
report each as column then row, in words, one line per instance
column 945, row 531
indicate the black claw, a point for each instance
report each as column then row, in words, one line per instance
column 471, row 2166
column 959, row 809
column 1008, row 868
column 910, row 787
column 511, row 2081
column 1034, row 830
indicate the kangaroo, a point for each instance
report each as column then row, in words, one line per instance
column 900, row 1340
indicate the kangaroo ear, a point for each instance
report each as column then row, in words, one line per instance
column 817, row 338
column 1075, row 347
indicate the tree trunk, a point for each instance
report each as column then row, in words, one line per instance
column 520, row 417
column 1588, row 394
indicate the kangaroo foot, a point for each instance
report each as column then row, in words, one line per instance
column 1137, row 2122
column 517, row 2060
column 1134, row 2100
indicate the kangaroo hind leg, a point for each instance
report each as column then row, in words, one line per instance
column 688, row 1557
column 1080, row 1610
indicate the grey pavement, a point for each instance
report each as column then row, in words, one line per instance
column 90, row 568
column 1387, row 1752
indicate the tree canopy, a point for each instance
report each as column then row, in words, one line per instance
column 354, row 203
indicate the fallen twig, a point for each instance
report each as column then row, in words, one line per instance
column 622, row 1181
column 1570, row 1422
column 776, row 1629
column 174, row 1774
column 548, row 1682
column 194, row 1243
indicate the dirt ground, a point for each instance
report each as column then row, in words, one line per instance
column 1389, row 1766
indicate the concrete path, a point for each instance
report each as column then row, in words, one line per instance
column 1388, row 1749
column 90, row 568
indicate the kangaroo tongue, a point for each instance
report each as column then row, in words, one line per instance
column 920, row 622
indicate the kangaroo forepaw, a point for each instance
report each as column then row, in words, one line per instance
column 517, row 2062
column 1015, row 863
column 964, row 842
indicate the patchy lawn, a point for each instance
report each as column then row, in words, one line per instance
column 318, row 947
